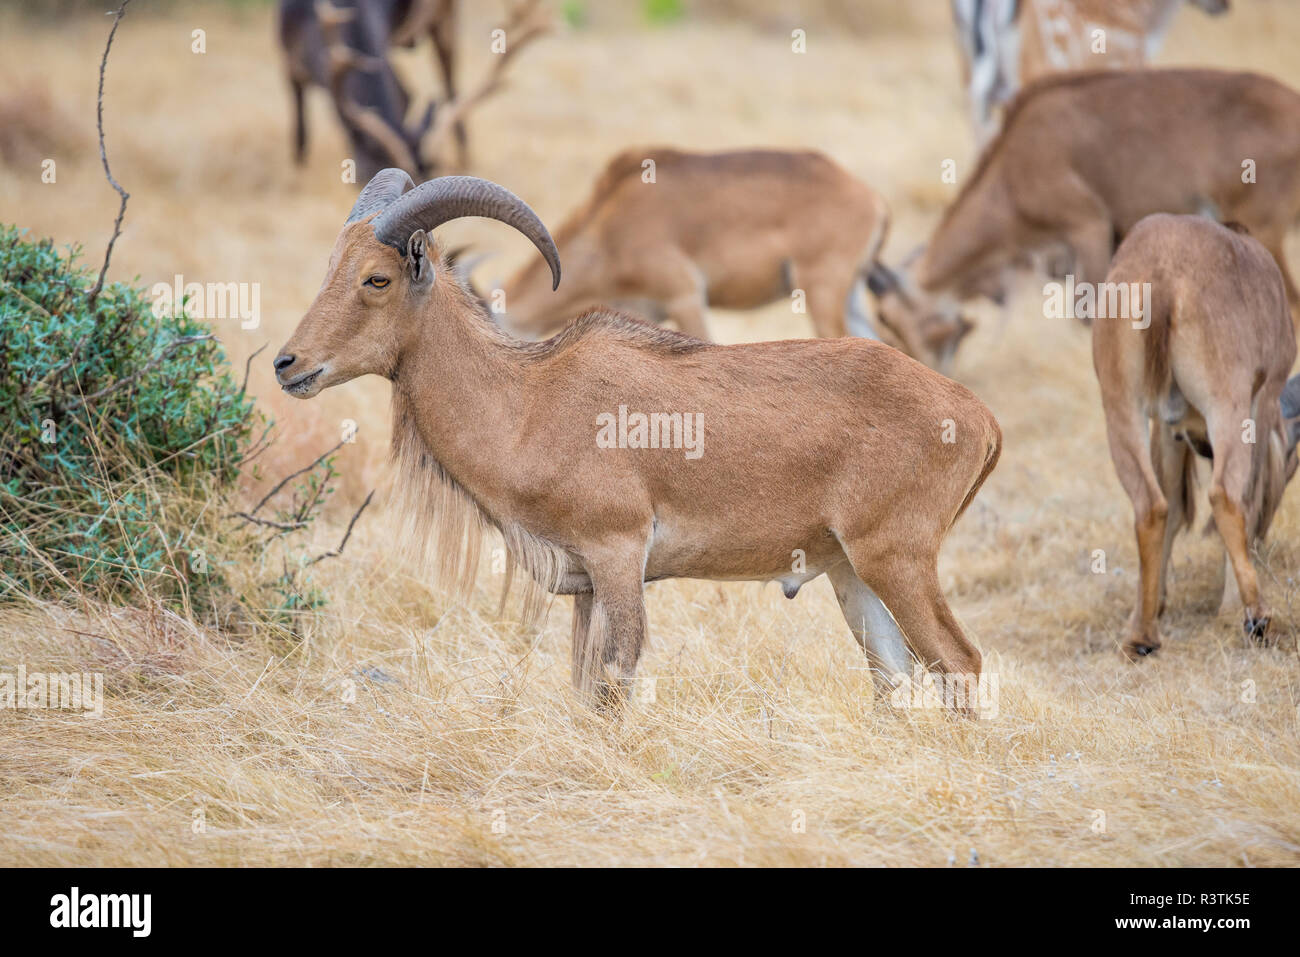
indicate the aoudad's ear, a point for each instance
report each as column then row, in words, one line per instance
column 418, row 261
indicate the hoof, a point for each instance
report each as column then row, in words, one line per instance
column 1140, row 649
column 1256, row 628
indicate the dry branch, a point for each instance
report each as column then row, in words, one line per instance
column 283, row 526
column 248, row 367
column 525, row 22
column 103, row 155
column 288, row 478
column 335, row 552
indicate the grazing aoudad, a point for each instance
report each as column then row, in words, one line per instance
column 1082, row 157
column 1209, row 377
column 669, row 233
column 345, row 47
column 841, row 457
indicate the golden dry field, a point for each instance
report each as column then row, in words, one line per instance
column 462, row 742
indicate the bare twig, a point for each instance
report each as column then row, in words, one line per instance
column 121, row 212
column 335, row 552
column 257, row 448
column 285, row 481
column 167, row 351
column 310, row 503
column 525, row 22
column 248, row 367
column 283, row 526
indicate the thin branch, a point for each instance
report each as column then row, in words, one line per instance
column 283, row 526
column 317, row 493
column 103, row 154
column 167, row 351
column 335, row 552
column 257, row 448
column 285, row 481
column 525, row 22
column 248, row 367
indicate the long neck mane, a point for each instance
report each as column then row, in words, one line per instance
column 460, row 375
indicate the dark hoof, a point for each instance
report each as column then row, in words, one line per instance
column 1256, row 628
column 1140, row 649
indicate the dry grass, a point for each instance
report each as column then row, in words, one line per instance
column 751, row 709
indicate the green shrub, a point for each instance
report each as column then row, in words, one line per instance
column 107, row 411
column 660, row 12
column 574, row 13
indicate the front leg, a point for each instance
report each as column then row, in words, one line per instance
column 1087, row 231
column 609, row 628
column 688, row 311
column 1091, row 243
column 671, row 279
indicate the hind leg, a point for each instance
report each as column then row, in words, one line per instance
column 874, row 628
column 906, row 580
column 1228, row 488
column 1172, row 461
column 1275, row 243
column 1292, row 296
column 1129, row 451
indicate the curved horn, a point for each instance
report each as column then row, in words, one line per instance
column 383, row 189
column 441, row 200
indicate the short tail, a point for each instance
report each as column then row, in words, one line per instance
column 990, row 461
column 1155, row 342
